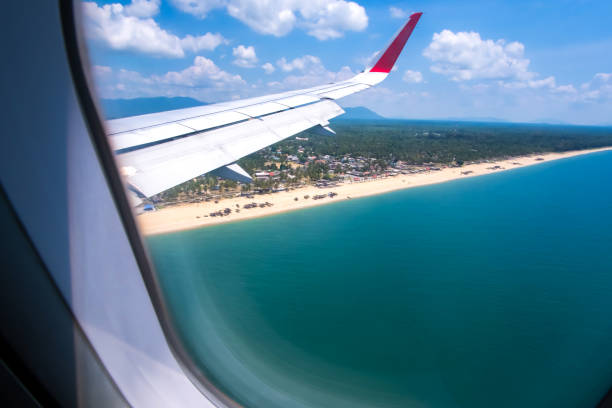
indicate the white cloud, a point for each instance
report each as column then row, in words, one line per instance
column 414, row 77
column 142, row 8
column 314, row 78
column 202, row 80
column 206, row 81
column 101, row 70
column 545, row 83
column 597, row 89
column 322, row 19
column 466, row 56
column 566, row 89
column 206, row 42
column 308, row 70
column 245, row 56
column 271, row 17
column 326, row 19
column 392, row 103
column 396, row 12
column 203, row 72
column 548, row 83
column 307, row 62
column 370, row 60
column 119, row 28
column 269, row 68
column 198, row 8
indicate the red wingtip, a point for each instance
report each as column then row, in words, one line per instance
column 387, row 60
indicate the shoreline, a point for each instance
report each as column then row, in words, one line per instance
column 196, row 215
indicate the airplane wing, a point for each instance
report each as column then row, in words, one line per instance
column 161, row 150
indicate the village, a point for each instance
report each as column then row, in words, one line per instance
column 275, row 171
column 208, row 200
column 294, row 164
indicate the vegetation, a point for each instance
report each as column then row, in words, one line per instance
column 418, row 142
column 374, row 145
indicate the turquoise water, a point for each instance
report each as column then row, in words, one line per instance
column 490, row 291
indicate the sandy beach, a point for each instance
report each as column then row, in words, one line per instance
column 196, row 215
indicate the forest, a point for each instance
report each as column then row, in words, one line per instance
column 418, row 142
column 379, row 144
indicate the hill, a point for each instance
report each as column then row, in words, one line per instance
column 360, row 113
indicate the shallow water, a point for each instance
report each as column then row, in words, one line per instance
column 488, row 291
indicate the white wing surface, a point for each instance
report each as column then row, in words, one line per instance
column 161, row 150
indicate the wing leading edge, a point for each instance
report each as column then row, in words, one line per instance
column 161, row 150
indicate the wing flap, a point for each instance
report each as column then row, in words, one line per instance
column 297, row 120
column 115, row 126
column 261, row 109
column 214, row 120
column 297, row 100
column 161, row 167
column 148, row 135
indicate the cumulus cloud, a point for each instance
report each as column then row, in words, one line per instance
column 142, row 8
column 326, row 19
column 124, row 28
column 202, row 80
column 393, row 103
column 307, row 62
column 101, row 70
column 544, row 83
column 245, row 56
column 396, row 12
column 307, row 70
column 203, row 72
column 413, row 77
column 198, row 8
column 565, row 89
column 308, row 78
column 206, row 42
column 370, row 60
column 268, row 67
column 465, row 56
column 597, row 89
column 603, row 77
column 322, row 19
column 547, row 84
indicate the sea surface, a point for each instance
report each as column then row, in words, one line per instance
column 493, row 291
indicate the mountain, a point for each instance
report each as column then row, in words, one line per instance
column 120, row 108
column 359, row 112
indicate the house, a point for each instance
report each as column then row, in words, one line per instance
column 262, row 175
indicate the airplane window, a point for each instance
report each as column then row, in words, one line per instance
column 338, row 220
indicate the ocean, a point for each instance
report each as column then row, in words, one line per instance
column 493, row 291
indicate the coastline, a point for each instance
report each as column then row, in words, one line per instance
column 196, row 215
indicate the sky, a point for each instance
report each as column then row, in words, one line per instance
column 521, row 61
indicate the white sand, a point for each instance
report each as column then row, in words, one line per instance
column 188, row 216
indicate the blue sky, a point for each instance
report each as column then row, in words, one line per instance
column 514, row 60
